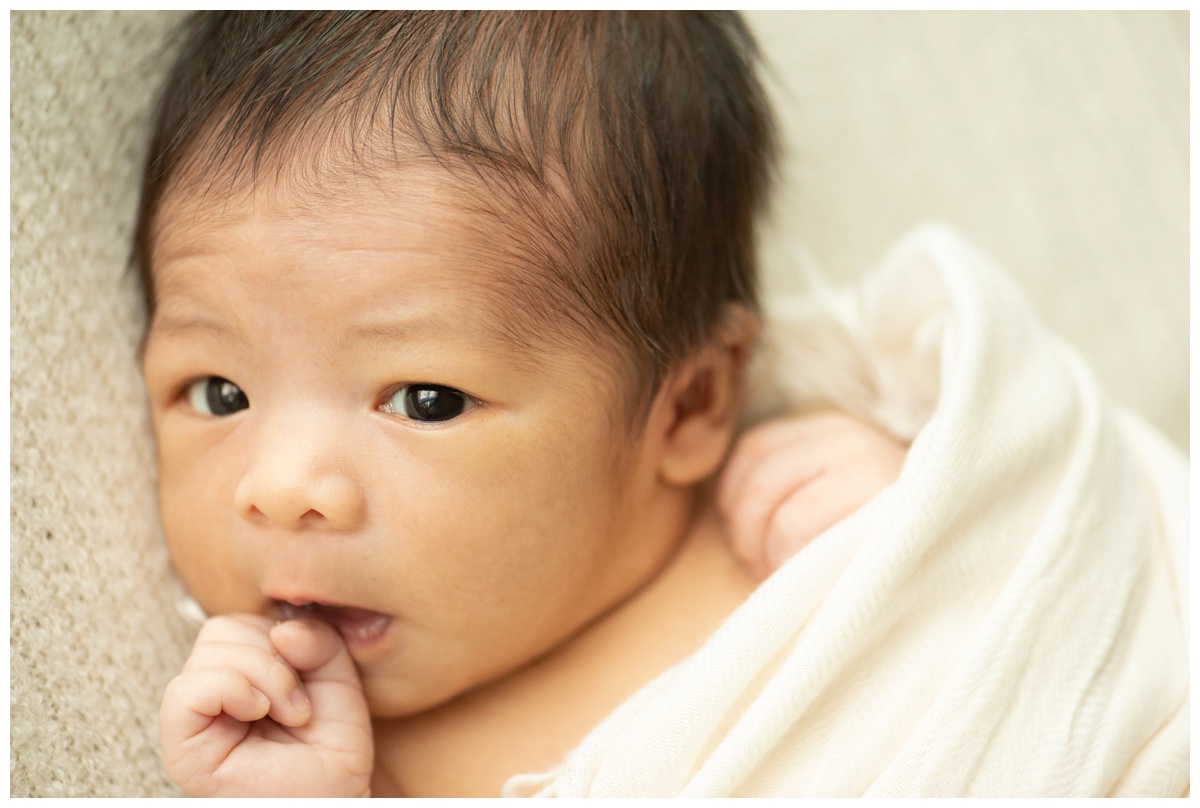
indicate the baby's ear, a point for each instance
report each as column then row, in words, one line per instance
column 698, row 405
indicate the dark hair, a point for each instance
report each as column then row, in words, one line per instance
column 633, row 150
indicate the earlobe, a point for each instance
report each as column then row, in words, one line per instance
column 702, row 400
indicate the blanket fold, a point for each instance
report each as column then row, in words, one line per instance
column 1007, row 619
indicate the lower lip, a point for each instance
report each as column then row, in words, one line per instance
column 361, row 629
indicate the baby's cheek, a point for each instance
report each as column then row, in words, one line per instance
column 198, row 541
column 217, row 588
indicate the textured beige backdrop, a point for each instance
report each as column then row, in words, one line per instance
column 1057, row 141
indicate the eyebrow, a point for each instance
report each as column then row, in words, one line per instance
column 381, row 330
column 172, row 324
column 503, row 343
column 388, row 329
column 515, row 346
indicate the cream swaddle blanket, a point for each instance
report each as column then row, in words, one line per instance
column 1008, row 618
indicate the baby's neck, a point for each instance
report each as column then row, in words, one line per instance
column 528, row 721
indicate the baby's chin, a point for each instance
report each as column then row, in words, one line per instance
column 391, row 698
column 403, row 691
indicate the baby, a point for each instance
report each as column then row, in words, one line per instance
column 448, row 318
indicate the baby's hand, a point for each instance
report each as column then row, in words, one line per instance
column 267, row 709
column 790, row 479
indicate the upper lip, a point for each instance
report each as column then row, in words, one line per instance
column 286, row 609
column 309, row 599
column 288, row 586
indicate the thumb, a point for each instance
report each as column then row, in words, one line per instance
column 317, row 652
column 309, row 644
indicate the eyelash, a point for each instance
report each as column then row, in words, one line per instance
column 458, row 403
column 423, row 403
column 205, row 397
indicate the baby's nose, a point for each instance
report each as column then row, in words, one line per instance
column 298, row 477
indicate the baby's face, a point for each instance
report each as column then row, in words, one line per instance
column 343, row 418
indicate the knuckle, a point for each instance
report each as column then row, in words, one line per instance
column 217, row 628
column 754, row 440
column 176, row 691
column 279, row 676
column 756, row 499
column 748, row 552
column 766, row 487
column 228, row 679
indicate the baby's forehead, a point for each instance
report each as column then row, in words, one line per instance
column 403, row 207
column 438, row 233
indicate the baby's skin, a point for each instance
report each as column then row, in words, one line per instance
column 790, row 479
column 267, row 707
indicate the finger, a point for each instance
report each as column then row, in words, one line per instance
column 194, row 699
column 266, row 671
column 307, row 643
column 767, row 486
column 316, row 649
column 204, row 715
column 237, row 626
column 815, row 509
column 752, row 448
column 833, row 438
column 797, row 522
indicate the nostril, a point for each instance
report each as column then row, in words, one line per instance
column 294, row 496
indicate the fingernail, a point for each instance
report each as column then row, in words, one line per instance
column 300, row 701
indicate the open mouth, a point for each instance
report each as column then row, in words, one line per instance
column 359, row 628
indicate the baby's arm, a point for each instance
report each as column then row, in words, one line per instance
column 790, row 479
column 267, row 709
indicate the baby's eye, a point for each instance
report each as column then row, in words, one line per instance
column 428, row 402
column 216, row 396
